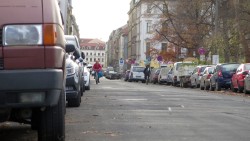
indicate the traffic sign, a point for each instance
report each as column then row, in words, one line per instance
column 121, row 62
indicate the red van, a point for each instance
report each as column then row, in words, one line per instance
column 32, row 66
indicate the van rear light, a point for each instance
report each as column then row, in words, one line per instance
column 219, row 74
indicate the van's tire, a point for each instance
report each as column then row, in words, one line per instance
column 52, row 122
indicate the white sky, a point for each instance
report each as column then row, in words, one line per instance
column 98, row 18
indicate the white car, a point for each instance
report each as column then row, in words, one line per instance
column 86, row 78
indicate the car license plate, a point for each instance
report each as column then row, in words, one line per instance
column 138, row 76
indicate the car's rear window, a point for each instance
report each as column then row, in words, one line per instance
column 138, row 69
column 247, row 66
column 229, row 67
column 202, row 69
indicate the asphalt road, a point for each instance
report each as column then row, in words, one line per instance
column 115, row 110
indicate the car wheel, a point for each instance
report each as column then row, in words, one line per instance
column 211, row 86
column 217, row 86
column 75, row 102
column 245, row 90
column 88, row 87
column 202, row 87
column 52, row 122
column 233, row 89
column 206, row 86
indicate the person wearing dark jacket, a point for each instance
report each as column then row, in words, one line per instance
column 147, row 72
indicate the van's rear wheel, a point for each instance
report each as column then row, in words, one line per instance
column 52, row 122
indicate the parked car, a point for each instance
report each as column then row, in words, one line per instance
column 136, row 74
column 126, row 75
column 154, row 76
column 222, row 76
column 205, row 77
column 32, row 66
column 163, row 75
column 86, row 78
column 247, row 84
column 239, row 76
column 111, row 73
column 170, row 77
column 79, row 55
column 182, row 72
column 196, row 76
column 73, row 79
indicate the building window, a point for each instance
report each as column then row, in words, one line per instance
column 164, row 46
column 102, row 54
column 87, row 53
column 91, row 53
column 90, row 59
column 102, row 60
column 98, row 54
column 87, row 59
column 149, row 26
column 149, row 8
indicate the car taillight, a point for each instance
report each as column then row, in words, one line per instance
column 209, row 76
column 219, row 74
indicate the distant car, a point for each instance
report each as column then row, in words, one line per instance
column 222, row 76
column 196, row 76
column 86, row 78
column 239, row 76
column 154, row 77
column 205, row 78
column 136, row 74
column 247, row 84
column 170, row 77
column 163, row 75
column 126, row 75
column 111, row 73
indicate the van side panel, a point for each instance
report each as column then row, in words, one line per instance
column 20, row 11
column 54, row 57
column 52, row 14
column 24, row 57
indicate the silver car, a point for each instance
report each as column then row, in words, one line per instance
column 247, row 84
column 205, row 78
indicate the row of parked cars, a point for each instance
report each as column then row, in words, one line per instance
column 232, row 76
column 78, row 74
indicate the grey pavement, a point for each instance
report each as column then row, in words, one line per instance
column 115, row 110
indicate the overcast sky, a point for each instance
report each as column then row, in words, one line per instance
column 98, row 18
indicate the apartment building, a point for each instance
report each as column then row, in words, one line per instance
column 144, row 20
column 94, row 49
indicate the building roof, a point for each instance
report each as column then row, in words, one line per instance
column 92, row 44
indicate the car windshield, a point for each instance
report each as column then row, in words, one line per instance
column 165, row 70
column 211, row 70
column 138, row 69
column 110, row 69
column 247, row 66
column 229, row 67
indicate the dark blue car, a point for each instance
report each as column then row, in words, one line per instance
column 222, row 75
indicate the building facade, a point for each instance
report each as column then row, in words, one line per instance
column 94, row 49
column 144, row 20
column 117, row 48
column 70, row 24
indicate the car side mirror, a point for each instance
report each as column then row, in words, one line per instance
column 245, row 72
column 84, row 63
column 80, row 59
column 70, row 48
column 83, row 55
